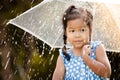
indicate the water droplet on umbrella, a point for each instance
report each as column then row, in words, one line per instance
column 40, row 22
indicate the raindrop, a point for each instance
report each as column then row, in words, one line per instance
column 12, row 38
column 15, row 72
column 40, row 62
column 0, row 53
column 114, row 70
column 35, row 75
column 43, row 48
column 12, row 11
column 5, row 42
column 37, row 49
column 31, row 40
column 44, row 65
column 4, row 35
column 29, row 61
column 40, row 46
column 9, row 77
column 11, row 1
column 52, row 58
column 7, row 63
column 39, row 56
column 26, row 45
column 28, row 77
column 15, row 42
column 53, row 49
column 49, row 75
column 32, row 1
column 1, row 7
column 14, row 60
column 50, row 51
column 36, row 42
column 40, row 78
column 29, row 70
column 1, row 42
column 8, row 54
column 5, row 21
column 18, row 35
column 33, row 70
column 32, row 47
column 8, row 39
column 3, row 29
column 23, row 36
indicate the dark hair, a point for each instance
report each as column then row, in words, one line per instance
column 74, row 13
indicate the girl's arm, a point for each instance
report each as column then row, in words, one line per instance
column 101, row 65
column 59, row 70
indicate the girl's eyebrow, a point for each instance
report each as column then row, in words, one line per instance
column 70, row 27
column 84, row 27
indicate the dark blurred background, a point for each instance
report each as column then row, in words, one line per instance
column 24, row 57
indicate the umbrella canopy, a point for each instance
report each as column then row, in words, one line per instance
column 44, row 21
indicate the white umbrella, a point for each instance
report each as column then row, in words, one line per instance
column 44, row 21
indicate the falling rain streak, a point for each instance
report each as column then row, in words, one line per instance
column 6, row 64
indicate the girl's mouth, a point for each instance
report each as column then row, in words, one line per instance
column 78, row 41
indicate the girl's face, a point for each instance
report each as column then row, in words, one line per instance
column 77, row 33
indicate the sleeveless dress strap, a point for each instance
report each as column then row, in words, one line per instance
column 95, row 44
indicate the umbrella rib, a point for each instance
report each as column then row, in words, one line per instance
column 56, row 40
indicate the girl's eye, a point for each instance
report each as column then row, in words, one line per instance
column 82, row 30
column 72, row 31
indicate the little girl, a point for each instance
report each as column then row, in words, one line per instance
column 87, row 60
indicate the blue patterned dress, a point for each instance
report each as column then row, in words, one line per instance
column 76, row 69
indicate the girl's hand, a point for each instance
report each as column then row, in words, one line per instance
column 86, row 49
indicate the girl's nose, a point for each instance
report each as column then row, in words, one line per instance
column 77, row 34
